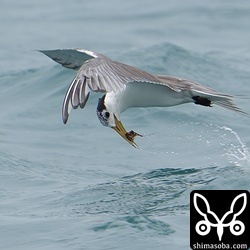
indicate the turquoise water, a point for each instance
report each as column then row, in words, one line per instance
column 80, row 186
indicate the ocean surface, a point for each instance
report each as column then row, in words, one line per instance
column 80, row 185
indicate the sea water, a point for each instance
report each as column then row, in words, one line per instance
column 81, row 186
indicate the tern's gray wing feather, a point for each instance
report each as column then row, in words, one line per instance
column 194, row 89
column 181, row 84
column 107, row 75
column 70, row 58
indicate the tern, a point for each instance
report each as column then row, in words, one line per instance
column 125, row 86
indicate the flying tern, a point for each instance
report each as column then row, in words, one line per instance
column 125, row 86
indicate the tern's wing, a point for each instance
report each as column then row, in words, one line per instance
column 100, row 74
column 96, row 72
column 200, row 94
column 70, row 58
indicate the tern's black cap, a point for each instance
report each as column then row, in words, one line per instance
column 101, row 106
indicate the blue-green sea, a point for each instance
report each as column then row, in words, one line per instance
column 80, row 185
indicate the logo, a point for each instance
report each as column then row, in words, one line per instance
column 219, row 219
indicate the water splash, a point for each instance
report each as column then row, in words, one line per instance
column 205, row 142
column 236, row 152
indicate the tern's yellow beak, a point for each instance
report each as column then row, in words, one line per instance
column 128, row 136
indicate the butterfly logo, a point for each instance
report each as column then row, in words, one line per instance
column 210, row 219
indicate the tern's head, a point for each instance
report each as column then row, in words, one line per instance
column 107, row 116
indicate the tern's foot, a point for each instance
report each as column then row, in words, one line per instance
column 131, row 135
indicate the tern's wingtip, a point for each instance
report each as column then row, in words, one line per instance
column 65, row 119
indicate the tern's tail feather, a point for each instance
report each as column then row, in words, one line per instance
column 225, row 101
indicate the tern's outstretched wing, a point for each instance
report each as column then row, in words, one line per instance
column 96, row 72
column 180, row 84
column 198, row 90
column 70, row 58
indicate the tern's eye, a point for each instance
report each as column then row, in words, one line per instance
column 107, row 114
